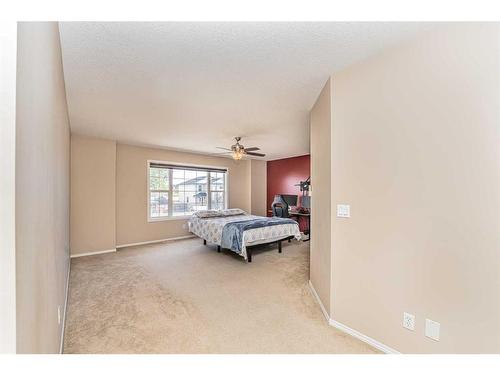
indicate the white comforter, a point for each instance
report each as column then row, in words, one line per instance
column 210, row 229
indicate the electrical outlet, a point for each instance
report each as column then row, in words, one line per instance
column 432, row 329
column 59, row 315
column 409, row 321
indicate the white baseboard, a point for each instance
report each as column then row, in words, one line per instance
column 93, row 253
column 61, row 345
column 323, row 310
column 372, row 342
column 131, row 244
column 352, row 332
column 155, row 241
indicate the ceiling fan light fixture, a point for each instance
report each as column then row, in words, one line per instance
column 237, row 155
column 237, row 151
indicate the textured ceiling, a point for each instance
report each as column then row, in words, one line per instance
column 194, row 86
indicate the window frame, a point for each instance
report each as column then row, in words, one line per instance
column 170, row 190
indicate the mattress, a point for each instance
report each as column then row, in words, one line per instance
column 210, row 229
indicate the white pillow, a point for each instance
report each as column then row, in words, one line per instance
column 204, row 214
column 207, row 213
column 232, row 212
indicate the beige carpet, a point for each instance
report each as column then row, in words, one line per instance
column 184, row 297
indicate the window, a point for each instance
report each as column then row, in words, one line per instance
column 176, row 191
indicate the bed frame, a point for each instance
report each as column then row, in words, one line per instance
column 249, row 248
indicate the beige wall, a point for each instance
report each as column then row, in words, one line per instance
column 320, row 266
column 109, row 193
column 8, row 46
column 93, row 194
column 416, row 154
column 132, row 224
column 259, row 187
column 42, row 188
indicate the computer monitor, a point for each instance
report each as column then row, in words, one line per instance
column 289, row 199
column 305, row 201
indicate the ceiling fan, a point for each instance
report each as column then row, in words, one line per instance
column 237, row 150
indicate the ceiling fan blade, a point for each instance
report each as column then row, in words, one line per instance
column 223, row 148
column 255, row 154
column 221, row 153
column 252, row 149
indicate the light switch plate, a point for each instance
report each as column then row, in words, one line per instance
column 409, row 321
column 343, row 210
column 432, row 329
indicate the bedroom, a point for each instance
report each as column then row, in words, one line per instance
column 295, row 187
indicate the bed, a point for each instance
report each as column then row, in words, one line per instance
column 235, row 230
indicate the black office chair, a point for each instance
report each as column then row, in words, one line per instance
column 280, row 211
column 279, row 207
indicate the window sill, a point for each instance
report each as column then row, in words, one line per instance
column 168, row 218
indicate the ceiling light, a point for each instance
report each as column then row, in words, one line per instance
column 237, row 155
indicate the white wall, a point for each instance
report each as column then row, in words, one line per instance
column 8, row 47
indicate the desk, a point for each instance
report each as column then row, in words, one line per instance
column 298, row 214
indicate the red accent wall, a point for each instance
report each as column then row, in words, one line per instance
column 283, row 174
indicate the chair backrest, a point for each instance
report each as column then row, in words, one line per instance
column 280, row 209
